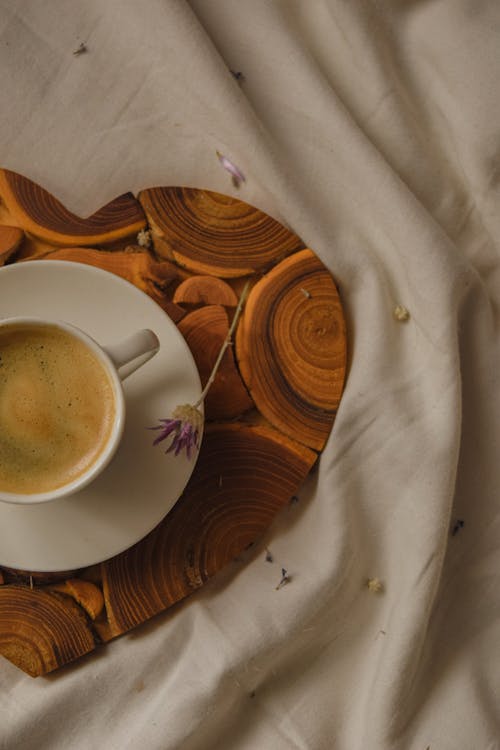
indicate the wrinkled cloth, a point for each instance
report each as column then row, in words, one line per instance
column 372, row 129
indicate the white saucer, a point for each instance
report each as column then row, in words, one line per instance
column 141, row 484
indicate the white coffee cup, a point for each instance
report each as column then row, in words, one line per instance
column 119, row 361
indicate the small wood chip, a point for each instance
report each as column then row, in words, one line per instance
column 375, row 585
column 144, row 238
column 401, row 314
column 205, row 290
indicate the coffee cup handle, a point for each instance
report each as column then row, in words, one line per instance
column 133, row 352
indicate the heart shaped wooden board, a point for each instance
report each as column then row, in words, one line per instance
column 268, row 413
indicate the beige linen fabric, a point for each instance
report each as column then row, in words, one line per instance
column 373, row 130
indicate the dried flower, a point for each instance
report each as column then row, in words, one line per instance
column 285, row 578
column 185, row 425
column 144, row 238
column 401, row 314
column 183, row 428
column 375, row 585
column 236, row 174
column 82, row 47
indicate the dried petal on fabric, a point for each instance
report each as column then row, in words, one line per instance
column 375, row 585
column 401, row 313
column 285, row 578
column 82, row 47
column 237, row 175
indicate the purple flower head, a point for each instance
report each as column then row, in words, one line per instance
column 183, row 429
column 236, row 174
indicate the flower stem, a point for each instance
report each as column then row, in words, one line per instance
column 227, row 342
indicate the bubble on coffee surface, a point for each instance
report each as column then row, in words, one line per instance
column 57, row 408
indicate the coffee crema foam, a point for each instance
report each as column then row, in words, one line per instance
column 57, row 408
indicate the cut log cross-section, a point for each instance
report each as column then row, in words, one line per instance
column 205, row 290
column 243, row 476
column 210, row 233
column 40, row 631
column 268, row 412
column 37, row 211
column 291, row 348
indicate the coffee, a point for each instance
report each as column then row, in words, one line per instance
column 57, row 408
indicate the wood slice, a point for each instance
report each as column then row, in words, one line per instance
column 86, row 594
column 243, row 476
column 39, row 631
column 290, row 346
column 205, row 290
column 214, row 234
column 27, row 577
column 37, row 211
column 205, row 330
column 291, row 350
column 10, row 240
column 138, row 267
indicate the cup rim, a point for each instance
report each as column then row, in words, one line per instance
column 104, row 458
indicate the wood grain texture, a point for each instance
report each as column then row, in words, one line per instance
column 37, row 211
column 291, row 348
column 262, row 436
column 243, row 476
column 205, row 290
column 205, row 330
column 210, row 233
column 41, row 631
column 86, row 594
column 10, row 240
